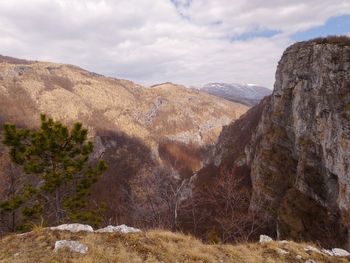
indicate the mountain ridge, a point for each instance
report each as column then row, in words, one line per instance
column 248, row 94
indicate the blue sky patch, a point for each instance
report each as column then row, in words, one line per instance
column 255, row 34
column 339, row 25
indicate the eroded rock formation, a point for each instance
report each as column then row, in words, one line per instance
column 298, row 153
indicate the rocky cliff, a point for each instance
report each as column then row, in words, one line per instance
column 298, row 152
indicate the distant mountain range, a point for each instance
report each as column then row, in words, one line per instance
column 248, row 94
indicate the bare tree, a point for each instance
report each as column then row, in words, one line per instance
column 158, row 203
column 223, row 206
column 12, row 180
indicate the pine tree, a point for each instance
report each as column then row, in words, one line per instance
column 57, row 161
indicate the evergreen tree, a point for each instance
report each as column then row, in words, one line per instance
column 56, row 160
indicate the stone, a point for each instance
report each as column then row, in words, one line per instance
column 121, row 229
column 282, row 251
column 310, row 261
column 299, row 257
column 338, row 252
column 74, row 246
column 265, row 239
column 73, row 228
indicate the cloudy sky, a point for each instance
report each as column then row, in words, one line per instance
column 190, row 42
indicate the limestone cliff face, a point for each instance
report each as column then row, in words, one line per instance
column 298, row 155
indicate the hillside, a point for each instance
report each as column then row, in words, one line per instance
column 151, row 246
column 144, row 134
column 69, row 93
column 248, row 94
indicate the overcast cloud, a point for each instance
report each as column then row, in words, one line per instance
column 153, row 41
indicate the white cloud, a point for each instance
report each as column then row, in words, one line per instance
column 151, row 41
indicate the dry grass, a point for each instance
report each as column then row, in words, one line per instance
column 153, row 246
column 335, row 40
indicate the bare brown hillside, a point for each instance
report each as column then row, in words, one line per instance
column 69, row 93
column 144, row 134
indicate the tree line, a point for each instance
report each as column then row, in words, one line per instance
column 50, row 178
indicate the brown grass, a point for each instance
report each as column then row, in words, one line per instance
column 152, row 246
column 342, row 41
column 335, row 40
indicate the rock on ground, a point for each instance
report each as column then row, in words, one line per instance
column 73, row 228
column 338, row 252
column 74, row 246
column 282, row 251
column 264, row 239
column 121, row 228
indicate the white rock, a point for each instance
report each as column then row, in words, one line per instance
column 299, row 257
column 265, row 239
column 121, row 228
column 283, row 242
column 282, row 251
column 74, row 246
column 338, row 252
column 73, row 228
column 310, row 261
column 313, row 249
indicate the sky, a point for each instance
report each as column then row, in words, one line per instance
column 189, row 42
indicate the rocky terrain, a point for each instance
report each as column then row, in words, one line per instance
column 295, row 145
column 281, row 169
column 248, row 94
column 80, row 243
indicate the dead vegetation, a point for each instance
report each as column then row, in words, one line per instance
column 151, row 246
column 185, row 158
column 335, row 40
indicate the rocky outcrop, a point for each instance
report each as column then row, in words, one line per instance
column 73, row 228
column 120, row 229
column 72, row 245
column 298, row 153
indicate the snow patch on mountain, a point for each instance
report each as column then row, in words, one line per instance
column 249, row 94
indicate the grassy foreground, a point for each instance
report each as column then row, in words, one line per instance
column 152, row 246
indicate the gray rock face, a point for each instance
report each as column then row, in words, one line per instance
column 300, row 154
column 265, row 239
column 74, row 246
column 295, row 145
column 121, row 229
column 338, row 252
column 73, row 228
